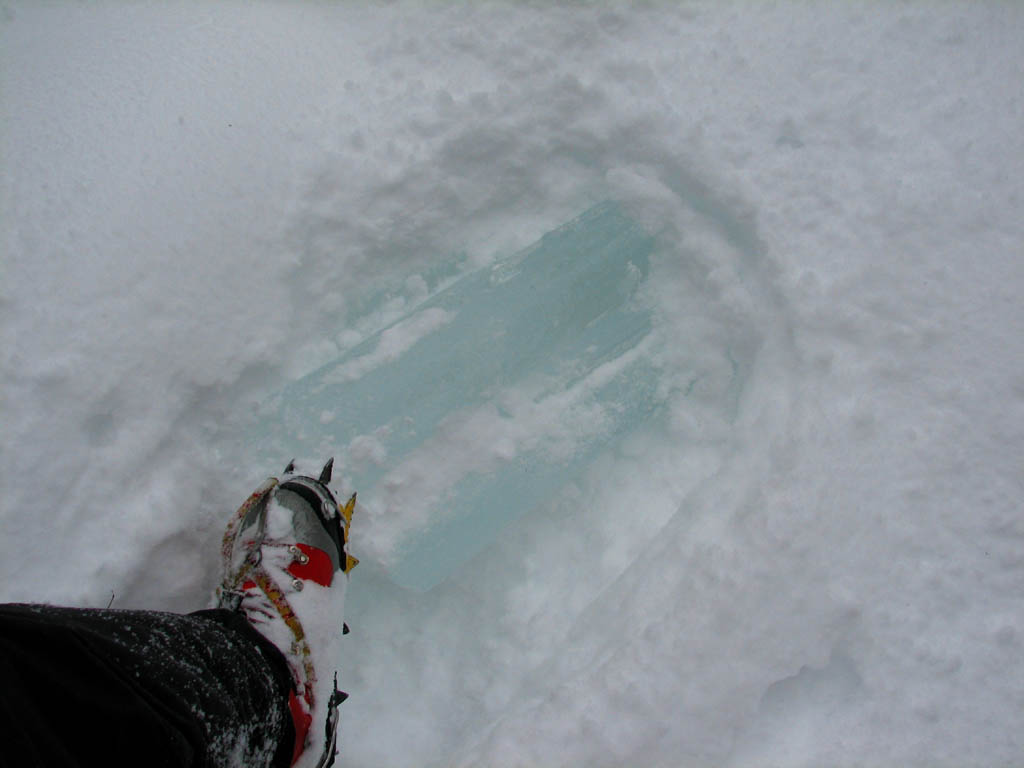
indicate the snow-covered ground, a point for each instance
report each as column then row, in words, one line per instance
column 816, row 555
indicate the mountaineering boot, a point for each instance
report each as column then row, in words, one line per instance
column 286, row 566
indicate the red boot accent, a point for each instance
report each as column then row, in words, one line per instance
column 302, row 721
column 319, row 567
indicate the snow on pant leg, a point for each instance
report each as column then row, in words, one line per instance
column 84, row 687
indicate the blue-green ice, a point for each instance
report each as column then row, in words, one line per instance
column 486, row 398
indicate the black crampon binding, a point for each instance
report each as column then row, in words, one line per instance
column 333, row 517
column 331, row 727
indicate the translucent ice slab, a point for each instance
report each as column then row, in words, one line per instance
column 485, row 399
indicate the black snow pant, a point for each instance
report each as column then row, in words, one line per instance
column 99, row 688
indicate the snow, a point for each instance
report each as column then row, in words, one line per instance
column 816, row 557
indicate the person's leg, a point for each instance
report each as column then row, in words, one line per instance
column 239, row 685
column 110, row 687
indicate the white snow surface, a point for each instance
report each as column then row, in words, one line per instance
column 202, row 202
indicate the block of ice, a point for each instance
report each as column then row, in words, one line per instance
column 486, row 398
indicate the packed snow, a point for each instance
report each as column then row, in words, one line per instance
column 814, row 554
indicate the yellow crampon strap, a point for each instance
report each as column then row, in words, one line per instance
column 346, row 515
column 300, row 647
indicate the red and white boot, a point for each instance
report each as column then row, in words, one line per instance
column 286, row 566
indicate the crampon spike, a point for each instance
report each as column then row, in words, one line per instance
column 325, row 473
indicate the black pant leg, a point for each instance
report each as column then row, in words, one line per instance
column 84, row 687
